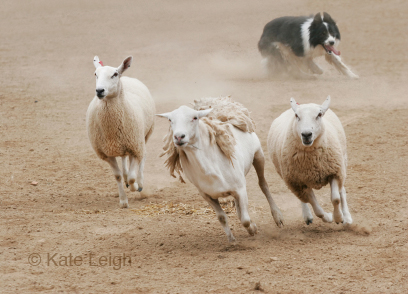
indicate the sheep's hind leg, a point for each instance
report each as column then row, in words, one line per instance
column 346, row 213
column 221, row 215
column 327, row 217
column 125, row 170
column 242, row 198
column 132, row 173
column 335, row 199
column 123, row 201
column 259, row 165
column 307, row 214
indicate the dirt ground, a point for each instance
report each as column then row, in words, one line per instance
column 67, row 234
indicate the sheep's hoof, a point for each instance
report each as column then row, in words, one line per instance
column 140, row 189
column 309, row 221
column 278, row 218
column 328, row 217
column 252, row 229
column 124, row 204
column 231, row 238
column 133, row 187
column 347, row 220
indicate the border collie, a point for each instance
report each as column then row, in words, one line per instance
column 289, row 44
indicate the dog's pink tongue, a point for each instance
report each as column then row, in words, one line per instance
column 335, row 51
column 332, row 49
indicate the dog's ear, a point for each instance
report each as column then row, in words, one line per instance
column 317, row 18
column 327, row 17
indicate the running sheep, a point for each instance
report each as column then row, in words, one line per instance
column 307, row 145
column 214, row 145
column 119, row 120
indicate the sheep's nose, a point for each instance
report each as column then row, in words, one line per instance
column 178, row 138
column 331, row 43
column 99, row 92
column 307, row 135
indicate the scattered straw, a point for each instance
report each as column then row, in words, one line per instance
column 86, row 211
column 167, row 208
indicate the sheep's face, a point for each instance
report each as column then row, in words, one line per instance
column 308, row 120
column 107, row 82
column 108, row 78
column 184, row 124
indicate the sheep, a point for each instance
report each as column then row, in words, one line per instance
column 308, row 149
column 120, row 120
column 214, row 145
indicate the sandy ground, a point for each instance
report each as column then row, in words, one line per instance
column 184, row 50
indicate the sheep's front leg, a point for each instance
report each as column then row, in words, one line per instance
column 136, row 183
column 335, row 199
column 242, row 198
column 346, row 213
column 140, row 177
column 307, row 214
column 221, row 215
column 123, row 201
column 327, row 217
column 132, row 173
column 125, row 170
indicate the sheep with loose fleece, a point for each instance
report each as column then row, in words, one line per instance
column 120, row 119
column 214, row 145
column 307, row 145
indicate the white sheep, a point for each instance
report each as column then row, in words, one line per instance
column 214, row 145
column 120, row 119
column 307, row 145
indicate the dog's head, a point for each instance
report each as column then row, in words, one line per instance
column 324, row 32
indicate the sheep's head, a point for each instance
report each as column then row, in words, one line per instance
column 184, row 124
column 107, row 77
column 309, row 124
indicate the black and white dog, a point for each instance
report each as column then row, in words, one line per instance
column 289, row 44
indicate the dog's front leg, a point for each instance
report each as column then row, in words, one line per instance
column 340, row 66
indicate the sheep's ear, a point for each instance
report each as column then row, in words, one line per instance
column 125, row 64
column 317, row 18
column 326, row 104
column 203, row 113
column 96, row 62
column 294, row 104
column 166, row 115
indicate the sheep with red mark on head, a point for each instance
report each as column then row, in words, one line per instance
column 119, row 120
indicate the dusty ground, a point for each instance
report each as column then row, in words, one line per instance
column 185, row 50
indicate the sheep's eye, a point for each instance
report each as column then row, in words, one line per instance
column 169, row 120
column 96, row 75
column 195, row 118
column 115, row 75
column 319, row 115
column 297, row 117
